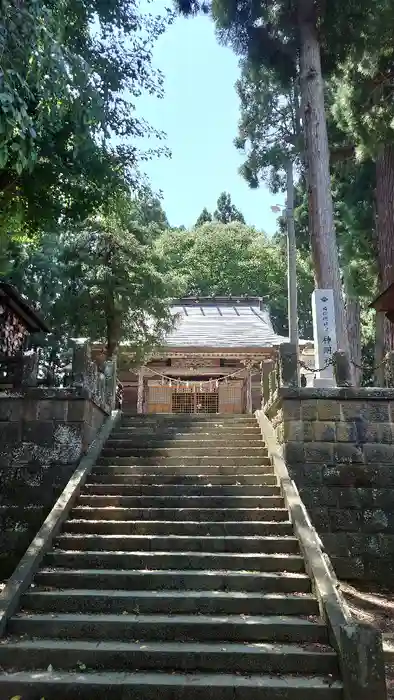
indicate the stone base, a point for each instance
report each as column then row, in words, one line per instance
column 339, row 448
column 324, row 382
column 43, row 434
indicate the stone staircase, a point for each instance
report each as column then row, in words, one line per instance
column 177, row 575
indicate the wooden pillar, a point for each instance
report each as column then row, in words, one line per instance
column 140, row 396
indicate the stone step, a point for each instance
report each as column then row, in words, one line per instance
column 210, row 443
column 182, row 527
column 217, row 428
column 193, row 514
column 176, row 628
column 172, row 686
column 208, row 602
column 105, row 579
column 180, row 453
column 183, row 461
column 176, row 543
column 167, row 561
column 179, row 490
column 261, row 478
column 187, row 418
column 198, row 431
column 180, row 470
column 159, row 501
column 177, row 577
column 188, row 657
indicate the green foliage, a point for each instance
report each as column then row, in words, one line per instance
column 353, row 188
column 226, row 212
column 267, row 32
column 204, row 217
column 118, row 292
column 269, row 128
column 363, row 84
column 101, row 279
column 33, row 78
column 234, row 259
column 70, row 78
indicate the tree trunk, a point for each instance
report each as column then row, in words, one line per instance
column 385, row 227
column 113, row 327
column 353, row 322
column 379, row 374
column 112, row 338
column 321, row 217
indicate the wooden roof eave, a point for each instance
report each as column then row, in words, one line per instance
column 19, row 305
column 217, row 352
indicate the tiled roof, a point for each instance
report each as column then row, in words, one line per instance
column 222, row 323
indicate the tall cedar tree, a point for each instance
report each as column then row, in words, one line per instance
column 291, row 37
column 225, row 213
column 270, row 132
column 364, row 108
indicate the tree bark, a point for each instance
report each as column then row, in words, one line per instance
column 112, row 336
column 379, row 374
column 321, row 216
column 385, row 227
column 353, row 322
column 112, row 323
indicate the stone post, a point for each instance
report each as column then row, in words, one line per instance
column 265, row 380
column 140, row 396
column 272, row 383
column 110, row 383
column 101, row 389
column 288, row 365
column 249, row 390
column 29, row 369
column 27, row 373
column 362, row 663
column 92, row 378
column 342, row 370
column 80, row 365
column 389, row 369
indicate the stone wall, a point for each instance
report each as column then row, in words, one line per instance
column 338, row 446
column 43, row 434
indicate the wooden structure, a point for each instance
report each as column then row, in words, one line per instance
column 384, row 303
column 211, row 362
column 17, row 320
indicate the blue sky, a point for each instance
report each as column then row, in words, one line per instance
column 200, row 113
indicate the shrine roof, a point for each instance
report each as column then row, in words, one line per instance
column 31, row 319
column 385, row 300
column 222, row 322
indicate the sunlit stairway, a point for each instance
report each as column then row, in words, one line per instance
column 177, row 576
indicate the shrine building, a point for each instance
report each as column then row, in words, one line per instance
column 211, row 362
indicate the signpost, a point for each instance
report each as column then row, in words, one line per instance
column 324, row 335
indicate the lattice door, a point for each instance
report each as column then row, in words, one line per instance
column 194, row 401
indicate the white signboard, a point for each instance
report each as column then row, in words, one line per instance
column 324, row 335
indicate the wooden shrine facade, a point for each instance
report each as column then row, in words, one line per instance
column 211, row 362
column 197, row 383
